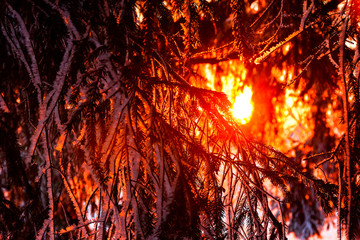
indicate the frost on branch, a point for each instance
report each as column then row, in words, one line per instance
column 108, row 109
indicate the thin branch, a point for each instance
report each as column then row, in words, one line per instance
column 346, row 122
column 32, row 68
column 263, row 14
column 51, row 100
column 306, row 13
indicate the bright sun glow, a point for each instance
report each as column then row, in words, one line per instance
column 243, row 105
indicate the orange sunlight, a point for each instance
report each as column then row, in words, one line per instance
column 243, row 106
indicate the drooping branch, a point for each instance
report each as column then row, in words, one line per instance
column 49, row 104
column 307, row 11
column 345, row 100
column 32, row 68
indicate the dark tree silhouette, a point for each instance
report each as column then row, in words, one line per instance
column 107, row 130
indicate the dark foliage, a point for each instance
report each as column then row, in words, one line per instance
column 107, row 131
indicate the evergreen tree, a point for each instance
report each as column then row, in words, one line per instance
column 107, row 130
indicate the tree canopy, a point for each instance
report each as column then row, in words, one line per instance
column 112, row 126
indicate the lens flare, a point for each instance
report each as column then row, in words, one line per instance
column 243, row 106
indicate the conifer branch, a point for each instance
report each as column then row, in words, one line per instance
column 33, row 66
column 347, row 129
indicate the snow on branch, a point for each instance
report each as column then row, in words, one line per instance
column 266, row 54
column 72, row 197
column 307, row 11
column 40, row 234
column 336, row 65
column 66, row 17
column 33, row 67
column 49, row 186
column 3, row 105
column 120, row 104
column 50, row 102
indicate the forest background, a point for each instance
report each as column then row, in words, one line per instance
column 117, row 119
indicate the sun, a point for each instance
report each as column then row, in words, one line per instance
column 243, row 106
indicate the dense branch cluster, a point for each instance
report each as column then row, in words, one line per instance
column 107, row 132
